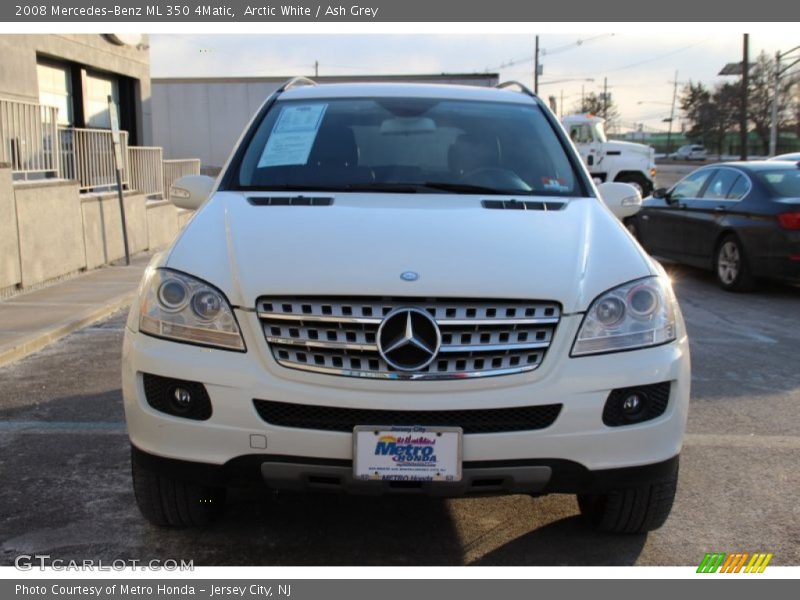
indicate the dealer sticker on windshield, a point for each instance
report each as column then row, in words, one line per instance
column 293, row 135
column 407, row 453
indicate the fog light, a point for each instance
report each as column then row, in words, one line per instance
column 181, row 399
column 632, row 405
column 177, row 397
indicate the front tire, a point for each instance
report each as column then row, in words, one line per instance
column 630, row 510
column 731, row 266
column 169, row 502
column 639, row 181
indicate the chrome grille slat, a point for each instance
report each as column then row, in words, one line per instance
column 548, row 321
column 337, row 335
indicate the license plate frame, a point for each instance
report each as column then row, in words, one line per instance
column 372, row 462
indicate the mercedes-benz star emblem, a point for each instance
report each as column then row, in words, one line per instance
column 409, row 339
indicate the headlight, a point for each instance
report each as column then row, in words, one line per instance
column 179, row 307
column 634, row 315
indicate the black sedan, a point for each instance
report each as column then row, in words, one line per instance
column 742, row 220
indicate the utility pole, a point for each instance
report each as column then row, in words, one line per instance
column 773, row 129
column 605, row 99
column 672, row 112
column 561, row 105
column 316, row 68
column 745, row 86
column 779, row 71
column 536, row 66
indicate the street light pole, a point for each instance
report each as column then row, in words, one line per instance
column 536, row 66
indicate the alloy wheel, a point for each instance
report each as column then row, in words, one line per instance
column 728, row 262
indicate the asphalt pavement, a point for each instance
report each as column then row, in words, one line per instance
column 66, row 492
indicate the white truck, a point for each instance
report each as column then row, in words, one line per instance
column 611, row 161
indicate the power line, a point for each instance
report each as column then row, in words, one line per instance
column 659, row 57
column 545, row 52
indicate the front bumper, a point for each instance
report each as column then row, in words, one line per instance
column 235, row 431
column 536, row 476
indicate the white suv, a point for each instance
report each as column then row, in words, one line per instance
column 406, row 289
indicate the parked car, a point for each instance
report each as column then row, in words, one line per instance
column 398, row 288
column 690, row 152
column 793, row 156
column 740, row 219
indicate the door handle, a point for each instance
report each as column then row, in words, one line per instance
column 720, row 209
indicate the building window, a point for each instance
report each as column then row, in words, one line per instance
column 98, row 89
column 55, row 89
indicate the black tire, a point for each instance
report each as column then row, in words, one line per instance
column 638, row 180
column 731, row 266
column 630, row 510
column 169, row 502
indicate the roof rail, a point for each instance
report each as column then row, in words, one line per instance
column 522, row 88
column 295, row 82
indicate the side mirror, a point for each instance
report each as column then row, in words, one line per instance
column 622, row 199
column 660, row 192
column 190, row 191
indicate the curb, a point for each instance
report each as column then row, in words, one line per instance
column 37, row 340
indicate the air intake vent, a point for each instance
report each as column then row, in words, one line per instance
column 290, row 201
column 329, row 418
column 518, row 205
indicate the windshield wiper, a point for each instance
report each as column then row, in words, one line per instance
column 397, row 188
column 465, row 188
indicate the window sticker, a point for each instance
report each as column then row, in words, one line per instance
column 553, row 184
column 293, row 135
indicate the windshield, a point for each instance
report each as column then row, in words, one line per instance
column 785, row 183
column 406, row 145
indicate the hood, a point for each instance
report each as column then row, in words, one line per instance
column 362, row 243
column 628, row 147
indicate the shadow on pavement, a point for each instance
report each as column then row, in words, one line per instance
column 566, row 542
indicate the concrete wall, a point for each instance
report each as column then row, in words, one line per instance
column 49, row 230
column 205, row 117
column 9, row 238
column 162, row 223
column 19, row 80
column 102, row 227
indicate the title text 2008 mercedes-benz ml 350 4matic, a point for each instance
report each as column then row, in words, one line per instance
column 406, row 289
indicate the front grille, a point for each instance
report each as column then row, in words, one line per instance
column 339, row 335
column 326, row 418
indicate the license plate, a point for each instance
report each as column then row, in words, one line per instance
column 407, row 453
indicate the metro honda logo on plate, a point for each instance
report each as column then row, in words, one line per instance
column 407, row 453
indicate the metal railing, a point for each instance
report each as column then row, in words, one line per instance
column 87, row 155
column 174, row 169
column 29, row 139
column 146, row 174
column 36, row 147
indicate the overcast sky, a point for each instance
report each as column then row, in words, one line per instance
column 639, row 67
